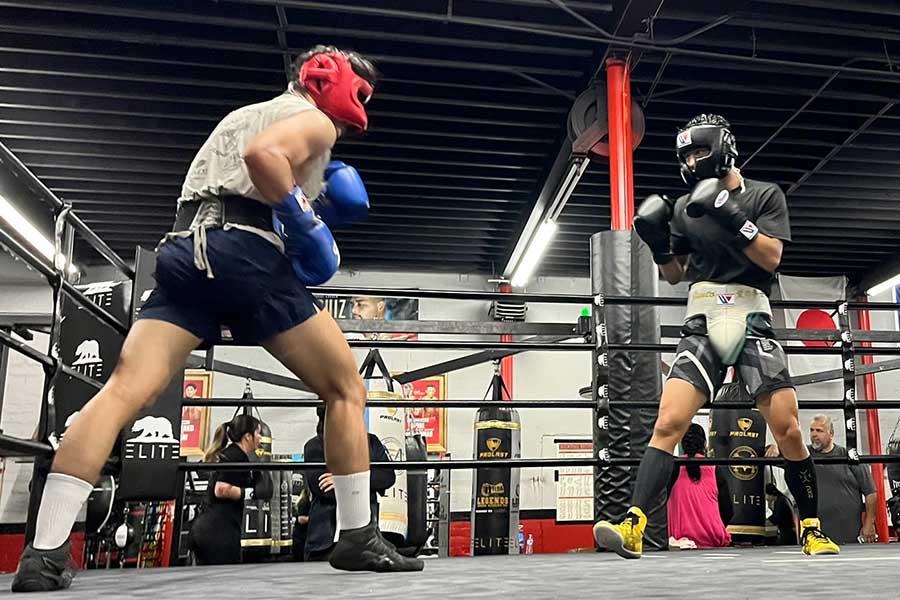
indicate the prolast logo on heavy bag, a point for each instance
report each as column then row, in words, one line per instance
column 743, row 472
column 744, row 424
column 493, row 449
column 492, row 495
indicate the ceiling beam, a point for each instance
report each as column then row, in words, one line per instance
column 186, row 42
column 834, row 151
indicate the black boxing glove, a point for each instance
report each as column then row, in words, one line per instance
column 893, row 508
column 263, row 488
column 710, row 197
column 651, row 223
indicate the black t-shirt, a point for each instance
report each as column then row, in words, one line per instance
column 842, row 489
column 232, row 510
column 713, row 254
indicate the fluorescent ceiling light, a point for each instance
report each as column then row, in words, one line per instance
column 534, row 252
column 884, row 285
column 518, row 261
column 29, row 232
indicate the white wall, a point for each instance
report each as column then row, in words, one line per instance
column 25, row 299
column 23, row 391
column 538, row 375
column 23, row 291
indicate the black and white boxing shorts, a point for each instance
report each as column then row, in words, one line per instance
column 761, row 366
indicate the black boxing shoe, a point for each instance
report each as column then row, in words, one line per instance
column 364, row 549
column 44, row 570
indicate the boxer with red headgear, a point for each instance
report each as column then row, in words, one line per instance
column 250, row 234
column 340, row 83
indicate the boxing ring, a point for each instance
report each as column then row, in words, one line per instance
column 728, row 573
column 744, row 573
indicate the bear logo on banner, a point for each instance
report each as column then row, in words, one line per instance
column 155, row 440
column 87, row 352
column 87, row 359
column 72, row 418
column 152, row 429
column 69, row 420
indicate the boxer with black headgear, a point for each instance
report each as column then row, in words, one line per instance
column 710, row 143
column 726, row 237
column 251, row 233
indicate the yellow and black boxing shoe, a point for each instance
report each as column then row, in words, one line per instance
column 814, row 541
column 626, row 538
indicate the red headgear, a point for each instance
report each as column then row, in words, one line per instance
column 336, row 88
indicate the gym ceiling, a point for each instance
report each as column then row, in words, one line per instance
column 106, row 102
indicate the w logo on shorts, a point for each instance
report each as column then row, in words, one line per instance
column 726, row 299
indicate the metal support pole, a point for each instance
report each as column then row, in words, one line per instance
column 210, row 358
column 68, row 252
column 621, row 179
column 47, row 419
column 4, row 364
column 506, row 363
column 443, row 532
column 874, row 430
column 178, row 521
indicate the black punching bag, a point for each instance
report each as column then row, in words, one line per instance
column 741, row 433
column 893, row 477
column 495, row 490
column 416, row 483
column 256, row 533
column 622, row 265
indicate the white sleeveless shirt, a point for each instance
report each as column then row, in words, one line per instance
column 219, row 170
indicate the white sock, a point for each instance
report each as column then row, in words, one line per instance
column 63, row 497
column 352, row 495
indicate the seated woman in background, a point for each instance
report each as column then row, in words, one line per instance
column 322, row 520
column 216, row 532
column 694, row 497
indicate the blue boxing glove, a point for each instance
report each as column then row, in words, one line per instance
column 307, row 240
column 344, row 199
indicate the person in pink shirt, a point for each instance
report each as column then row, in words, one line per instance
column 694, row 497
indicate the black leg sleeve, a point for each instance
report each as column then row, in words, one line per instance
column 652, row 478
column 800, row 476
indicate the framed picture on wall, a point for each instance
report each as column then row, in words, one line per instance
column 431, row 422
column 195, row 419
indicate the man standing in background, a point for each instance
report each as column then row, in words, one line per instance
column 843, row 487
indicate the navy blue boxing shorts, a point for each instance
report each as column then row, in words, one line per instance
column 254, row 293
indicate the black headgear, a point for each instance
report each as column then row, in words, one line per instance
column 712, row 133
